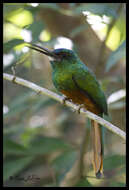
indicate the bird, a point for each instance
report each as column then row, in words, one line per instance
column 78, row 83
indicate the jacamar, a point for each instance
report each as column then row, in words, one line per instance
column 77, row 82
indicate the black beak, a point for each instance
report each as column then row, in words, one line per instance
column 42, row 50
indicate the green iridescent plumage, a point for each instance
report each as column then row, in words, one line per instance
column 69, row 67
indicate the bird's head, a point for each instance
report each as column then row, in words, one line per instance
column 56, row 56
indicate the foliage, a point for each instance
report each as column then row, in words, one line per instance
column 41, row 137
column 115, row 56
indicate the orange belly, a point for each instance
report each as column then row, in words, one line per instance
column 79, row 98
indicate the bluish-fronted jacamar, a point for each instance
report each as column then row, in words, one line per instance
column 74, row 79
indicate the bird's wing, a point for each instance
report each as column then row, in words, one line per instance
column 86, row 81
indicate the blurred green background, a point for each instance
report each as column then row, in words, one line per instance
column 42, row 138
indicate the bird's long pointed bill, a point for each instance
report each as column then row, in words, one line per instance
column 42, row 50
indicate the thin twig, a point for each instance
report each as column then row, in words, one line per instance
column 59, row 98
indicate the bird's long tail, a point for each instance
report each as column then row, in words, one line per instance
column 97, row 149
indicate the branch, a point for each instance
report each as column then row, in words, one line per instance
column 60, row 99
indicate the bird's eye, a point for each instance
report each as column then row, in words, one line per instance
column 62, row 55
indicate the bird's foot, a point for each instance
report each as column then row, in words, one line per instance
column 79, row 107
column 64, row 99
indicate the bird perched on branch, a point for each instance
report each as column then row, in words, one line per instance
column 78, row 83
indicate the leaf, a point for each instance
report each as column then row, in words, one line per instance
column 21, row 99
column 114, row 161
column 12, row 167
column 116, row 56
column 42, row 103
column 10, row 9
column 53, row 6
column 19, row 104
column 63, row 163
column 11, row 129
column 117, row 184
column 97, row 8
column 11, row 147
column 11, row 44
column 17, row 110
column 83, row 183
column 45, row 145
column 36, row 28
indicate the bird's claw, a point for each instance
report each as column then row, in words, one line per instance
column 79, row 107
column 13, row 80
column 64, row 99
